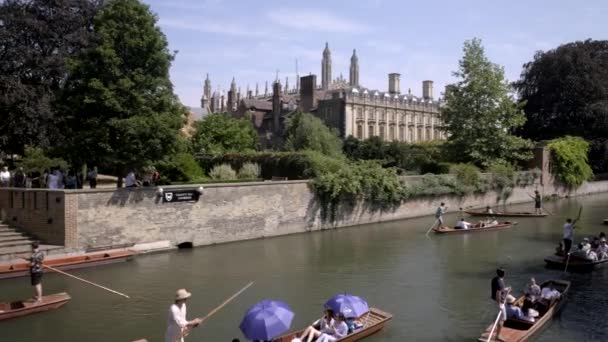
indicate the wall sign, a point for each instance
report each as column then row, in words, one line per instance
column 190, row 195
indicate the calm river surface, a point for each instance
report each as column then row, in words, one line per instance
column 437, row 288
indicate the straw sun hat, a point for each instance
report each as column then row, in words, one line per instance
column 182, row 294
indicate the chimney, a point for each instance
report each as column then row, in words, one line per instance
column 393, row 83
column 276, row 106
column 427, row 90
column 308, row 84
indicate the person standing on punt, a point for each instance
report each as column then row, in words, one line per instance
column 499, row 294
column 177, row 324
column 568, row 235
column 538, row 203
column 439, row 214
column 36, row 270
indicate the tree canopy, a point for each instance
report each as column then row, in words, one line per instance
column 220, row 133
column 307, row 132
column 480, row 113
column 36, row 39
column 565, row 92
column 120, row 103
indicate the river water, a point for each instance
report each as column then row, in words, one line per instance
column 437, row 288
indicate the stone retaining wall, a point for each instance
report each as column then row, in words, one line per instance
column 224, row 213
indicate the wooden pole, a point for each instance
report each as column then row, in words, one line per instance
column 433, row 225
column 85, row 281
column 212, row 312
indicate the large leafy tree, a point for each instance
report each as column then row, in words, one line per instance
column 307, row 132
column 122, row 109
column 565, row 92
column 36, row 39
column 220, row 133
column 480, row 112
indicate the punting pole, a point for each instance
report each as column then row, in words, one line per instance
column 85, row 281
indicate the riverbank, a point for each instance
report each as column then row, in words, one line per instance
column 82, row 219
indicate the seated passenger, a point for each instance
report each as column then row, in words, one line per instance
column 532, row 290
column 489, row 210
column 514, row 311
column 549, row 293
column 602, row 250
column 591, row 256
column 340, row 329
column 595, row 243
column 579, row 252
column 586, row 245
column 353, row 324
column 326, row 324
column 462, row 224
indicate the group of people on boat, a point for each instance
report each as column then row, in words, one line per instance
column 535, row 303
column 331, row 327
column 591, row 250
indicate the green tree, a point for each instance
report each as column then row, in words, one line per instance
column 220, row 133
column 564, row 93
column 307, row 132
column 36, row 39
column 480, row 113
column 570, row 163
column 120, row 103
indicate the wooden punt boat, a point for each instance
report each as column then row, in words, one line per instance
column 482, row 212
column 515, row 330
column 21, row 268
column 474, row 228
column 574, row 264
column 373, row 321
column 27, row 307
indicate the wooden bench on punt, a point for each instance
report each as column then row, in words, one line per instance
column 575, row 263
column 21, row 268
column 474, row 228
column 515, row 330
column 373, row 321
column 482, row 212
column 27, row 307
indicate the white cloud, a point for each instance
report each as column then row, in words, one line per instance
column 188, row 5
column 311, row 20
column 385, row 46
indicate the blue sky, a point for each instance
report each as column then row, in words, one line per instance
column 252, row 39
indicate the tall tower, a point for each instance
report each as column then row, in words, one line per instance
column 257, row 90
column 326, row 68
column 353, row 79
column 206, row 92
column 266, row 89
column 276, row 106
column 232, row 97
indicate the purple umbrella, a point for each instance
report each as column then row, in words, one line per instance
column 350, row 306
column 266, row 320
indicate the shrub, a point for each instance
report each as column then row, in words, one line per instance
column 249, row 171
column 467, row 174
column 570, row 163
column 503, row 180
column 525, row 178
column 307, row 132
column 222, row 172
column 180, row 167
column 292, row 165
column 35, row 160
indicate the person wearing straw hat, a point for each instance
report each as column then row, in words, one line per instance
column 176, row 320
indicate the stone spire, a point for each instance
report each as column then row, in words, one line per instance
column 232, row 97
column 326, row 68
column 353, row 79
column 257, row 90
column 205, row 100
column 266, row 89
column 286, row 85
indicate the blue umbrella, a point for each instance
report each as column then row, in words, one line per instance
column 266, row 320
column 350, row 306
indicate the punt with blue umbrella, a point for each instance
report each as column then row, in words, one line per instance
column 350, row 306
column 266, row 320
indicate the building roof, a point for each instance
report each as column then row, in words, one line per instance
column 262, row 105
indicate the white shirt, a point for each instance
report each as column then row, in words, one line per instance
column 463, row 224
column 5, row 176
column 325, row 327
column 130, row 179
column 549, row 294
column 53, row 181
column 568, row 231
column 176, row 321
